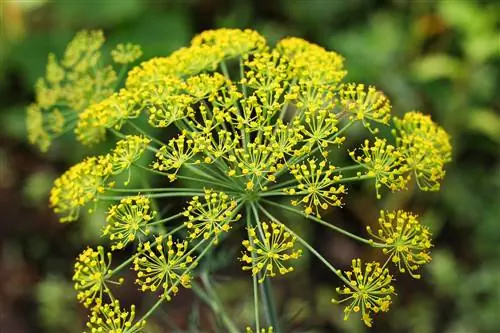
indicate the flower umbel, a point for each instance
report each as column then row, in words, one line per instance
column 111, row 318
column 368, row 289
column 268, row 249
column 163, row 265
column 317, row 186
column 236, row 127
column 128, row 219
column 407, row 241
column 91, row 271
column 210, row 216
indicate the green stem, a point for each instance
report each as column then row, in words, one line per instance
column 216, row 304
column 202, row 181
column 156, row 189
column 254, row 276
column 270, row 307
column 156, row 195
column 143, row 132
column 308, row 246
column 328, row 225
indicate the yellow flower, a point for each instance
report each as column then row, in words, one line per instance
column 268, row 250
column 426, row 148
column 407, row 241
column 384, row 162
column 126, row 53
column 231, row 42
column 163, row 266
column 111, row 318
column 80, row 185
column 210, row 217
column 365, row 105
column 128, row 219
column 126, row 152
column 368, row 289
column 90, row 277
column 311, row 62
column 68, row 88
column 316, row 186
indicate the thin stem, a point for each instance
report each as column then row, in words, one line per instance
column 270, row 307
column 328, row 225
column 254, row 276
column 307, row 246
column 216, row 304
column 155, row 195
column 146, row 134
column 170, row 218
column 156, row 189
column 200, row 180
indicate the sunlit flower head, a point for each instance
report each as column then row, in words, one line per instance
column 163, row 266
column 128, row 220
column 368, row 290
column 268, row 250
column 112, row 318
column 407, row 241
column 91, row 276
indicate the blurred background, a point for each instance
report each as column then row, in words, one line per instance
column 439, row 57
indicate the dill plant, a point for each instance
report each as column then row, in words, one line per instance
column 240, row 131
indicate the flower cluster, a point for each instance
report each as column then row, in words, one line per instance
column 407, row 241
column 210, row 217
column 233, row 126
column 368, row 290
column 164, row 265
column 127, row 220
column 91, row 276
column 426, row 148
column 77, row 81
column 267, row 252
column 112, row 318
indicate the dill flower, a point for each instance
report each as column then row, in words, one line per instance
column 310, row 62
column 231, row 42
column 407, row 241
column 163, row 266
column 126, row 53
column 128, row 219
column 316, row 184
column 211, row 217
column 69, row 86
column 426, row 148
column 235, row 125
column 112, row 318
column 110, row 113
column 365, row 105
column 78, row 186
column 90, row 277
column 178, row 152
column 126, row 152
column 384, row 162
column 268, row 249
column 368, row 290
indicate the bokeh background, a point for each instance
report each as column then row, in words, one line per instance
column 440, row 57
